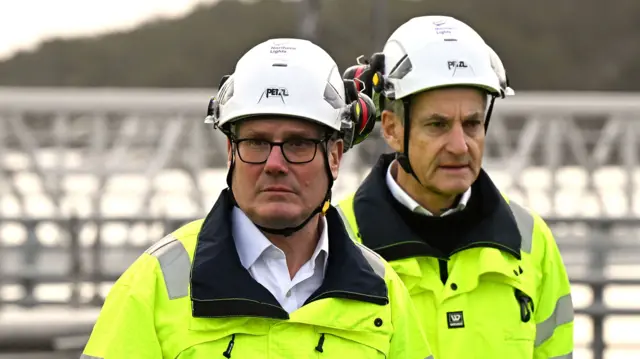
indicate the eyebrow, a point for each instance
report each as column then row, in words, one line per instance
column 440, row 117
column 286, row 134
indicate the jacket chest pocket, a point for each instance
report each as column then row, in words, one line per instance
column 334, row 344
column 504, row 318
column 234, row 346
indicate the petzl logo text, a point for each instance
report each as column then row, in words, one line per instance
column 276, row 92
column 279, row 92
column 455, row 320
column 456, row 65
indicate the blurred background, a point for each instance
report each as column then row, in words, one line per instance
column 103, row 149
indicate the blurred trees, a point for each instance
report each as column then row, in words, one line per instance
column 545, row 44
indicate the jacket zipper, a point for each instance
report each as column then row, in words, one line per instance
column 444, row 271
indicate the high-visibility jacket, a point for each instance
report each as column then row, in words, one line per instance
column 502, row 293
column 189, row 297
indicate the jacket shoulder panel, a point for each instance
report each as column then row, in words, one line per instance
column 375, row 261
column 174, row 253
column 175, row 265
column 525, row 221
column 533, row 229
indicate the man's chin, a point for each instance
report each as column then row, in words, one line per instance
column 454, row 184
column 278, row 216
column 454, row 189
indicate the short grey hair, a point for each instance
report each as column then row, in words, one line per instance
column 395, row 106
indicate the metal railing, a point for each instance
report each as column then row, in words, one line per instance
column 71, row 263
column 57, row 134
column 32, row 264
column 60, row 133
column 608, row 241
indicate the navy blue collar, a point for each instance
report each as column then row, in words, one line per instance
column 222, row 287
column 487, row 221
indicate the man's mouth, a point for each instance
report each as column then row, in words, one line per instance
column 280, row 189
column 454, row 167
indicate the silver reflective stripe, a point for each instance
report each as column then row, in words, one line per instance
column 161, row 243
column 566, row 356
column 374, row 261
column 429, row 357
column 347, row 225
column 175, row 265
column 524, row 220
column 85, row 356
column 562, row 314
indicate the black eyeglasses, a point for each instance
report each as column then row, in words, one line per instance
column 296, row 151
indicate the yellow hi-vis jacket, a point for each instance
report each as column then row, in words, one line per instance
column 502, row 293
column 189, row 297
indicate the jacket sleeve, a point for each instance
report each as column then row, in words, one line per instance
column 408, row 340
column 554, row 313
column 125, row 326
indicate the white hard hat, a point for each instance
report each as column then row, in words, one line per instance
column 283, row 77
column 429, row 52
column 498, row 67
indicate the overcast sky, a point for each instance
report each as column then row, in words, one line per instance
column 24, row 23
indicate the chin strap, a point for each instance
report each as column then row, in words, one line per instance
column 403, row 158
column 288, row 231
column 322, row 208
column 489, row 111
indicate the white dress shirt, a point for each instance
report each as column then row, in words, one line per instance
column 268, row 266
column 406, row 200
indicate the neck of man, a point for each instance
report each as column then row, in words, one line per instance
column 436, row 203
column 298, row 248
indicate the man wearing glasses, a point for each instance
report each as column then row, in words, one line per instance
column 271, row 271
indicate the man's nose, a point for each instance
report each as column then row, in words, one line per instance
column 457, row 141
column 276, row 163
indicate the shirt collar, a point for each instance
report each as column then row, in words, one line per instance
column 251, row 243
column 238, row 294
column 403, row 197
column 323, row 246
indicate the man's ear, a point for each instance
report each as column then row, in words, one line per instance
column 335, row 156
column 392, row 130
column 229, row 152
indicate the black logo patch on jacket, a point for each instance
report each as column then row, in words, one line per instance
column 455, row 320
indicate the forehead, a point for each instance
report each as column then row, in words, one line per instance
column 455, row 99
column 277, row 127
